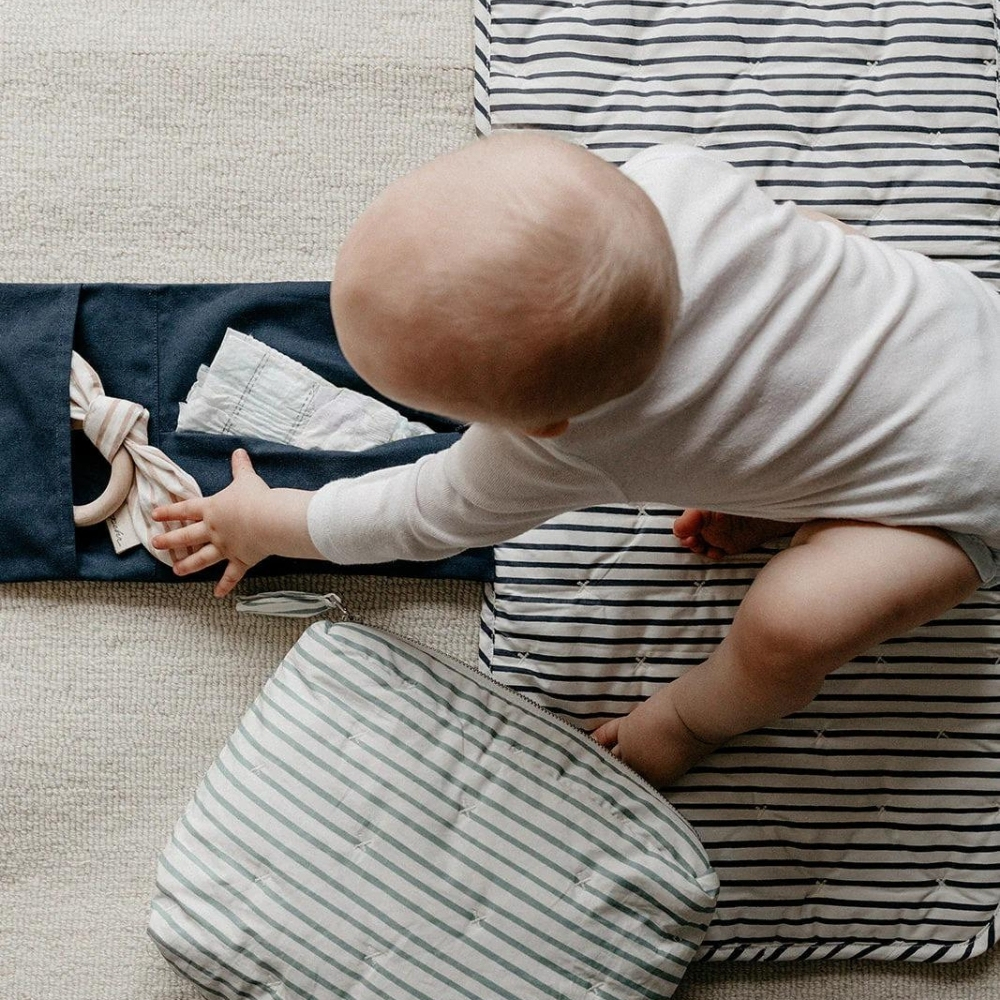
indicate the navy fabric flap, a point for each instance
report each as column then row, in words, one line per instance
column 146, row 342
column 207, row 457
column 36, row 516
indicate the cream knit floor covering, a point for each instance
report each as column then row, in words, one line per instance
column 211, row 140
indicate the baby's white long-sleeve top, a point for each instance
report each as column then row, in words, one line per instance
column 811, row 373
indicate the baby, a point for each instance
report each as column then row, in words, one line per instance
column 660, row 332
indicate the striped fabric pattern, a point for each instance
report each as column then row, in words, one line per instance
column 881, row 113
column 386, row 823
column 866, row 826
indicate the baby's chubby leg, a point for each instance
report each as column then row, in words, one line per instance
column 839, row 589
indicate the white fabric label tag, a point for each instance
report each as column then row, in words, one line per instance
column 122, row 531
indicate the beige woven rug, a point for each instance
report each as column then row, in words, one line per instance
column 211, row 141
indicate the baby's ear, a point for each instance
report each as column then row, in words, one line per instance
column 550, row 430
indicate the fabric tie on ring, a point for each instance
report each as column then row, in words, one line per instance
column 113, row 424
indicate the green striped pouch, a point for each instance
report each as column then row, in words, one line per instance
column 387, row 823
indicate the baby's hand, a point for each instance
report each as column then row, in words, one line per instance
column 220, row 527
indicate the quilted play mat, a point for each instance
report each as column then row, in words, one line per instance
column 866, row 825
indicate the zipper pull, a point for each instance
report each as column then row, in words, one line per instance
column 292, row 604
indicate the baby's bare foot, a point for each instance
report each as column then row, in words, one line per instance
column 716, row 536
column 653, row 740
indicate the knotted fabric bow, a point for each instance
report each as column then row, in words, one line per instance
column 113, row 424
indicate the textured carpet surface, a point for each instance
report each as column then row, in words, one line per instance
column 210, row 141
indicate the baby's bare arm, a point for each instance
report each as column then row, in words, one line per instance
column 841, row 588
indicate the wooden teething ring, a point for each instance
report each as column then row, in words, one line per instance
column 114, row 495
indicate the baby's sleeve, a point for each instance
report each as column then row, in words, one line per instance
column 486, row 488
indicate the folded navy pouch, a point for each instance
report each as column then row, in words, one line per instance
column 146, row 343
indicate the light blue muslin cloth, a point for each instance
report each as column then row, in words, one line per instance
column 252, row 390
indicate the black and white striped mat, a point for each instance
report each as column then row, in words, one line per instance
column 867, row 825
column 882, row 113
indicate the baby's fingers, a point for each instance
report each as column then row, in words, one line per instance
column 235, row 571
column 607, row 735
column 207, row 555
column 192, row 536
column 183, row 510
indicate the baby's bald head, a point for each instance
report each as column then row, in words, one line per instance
column 520, row 280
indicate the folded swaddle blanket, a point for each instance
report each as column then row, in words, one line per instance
column 253, row 390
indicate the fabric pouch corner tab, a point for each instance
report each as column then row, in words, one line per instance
column 37, row 324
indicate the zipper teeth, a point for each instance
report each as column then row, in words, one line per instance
column 515, row 694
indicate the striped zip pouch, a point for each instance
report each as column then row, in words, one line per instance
column 388, row 823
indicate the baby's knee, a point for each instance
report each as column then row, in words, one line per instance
column 784, row 650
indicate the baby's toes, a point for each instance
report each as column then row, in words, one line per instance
column 694, row 543
column 689, row 529
column 607, row 734
column 689, row 523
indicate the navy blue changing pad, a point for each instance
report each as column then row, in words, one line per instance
column 146, row 343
